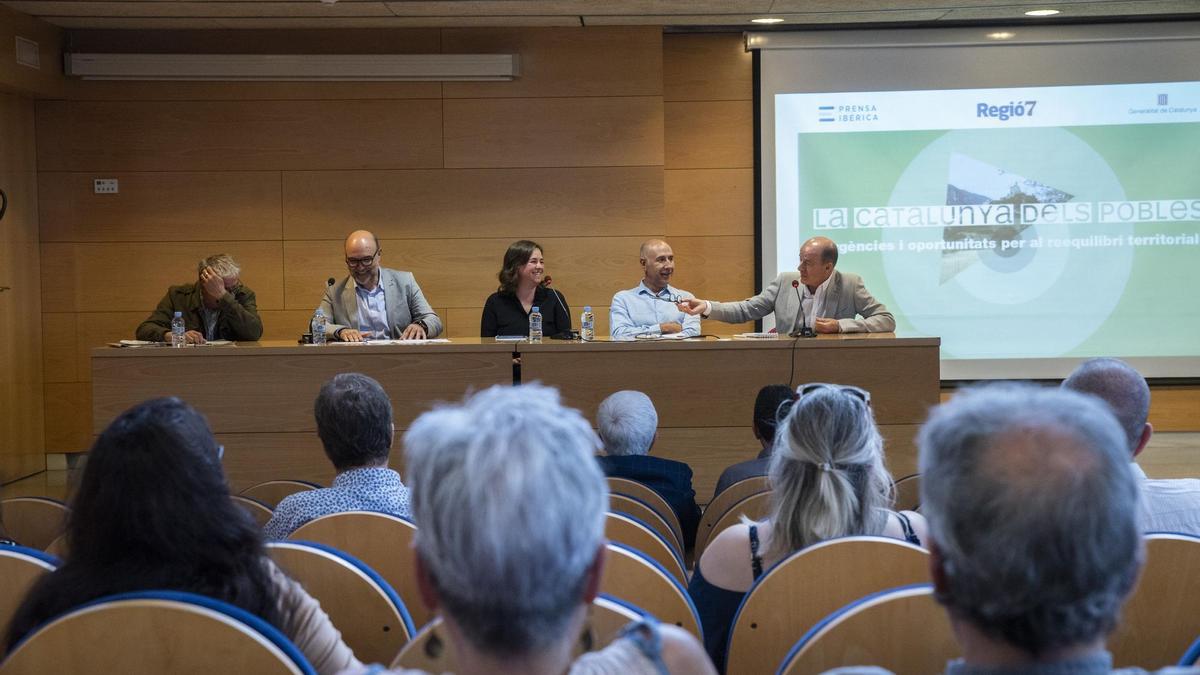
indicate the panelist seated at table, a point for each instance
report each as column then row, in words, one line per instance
column 218, row 306
column 650, row 308
column 523, row 286
column 375, row 302
column 825, row 300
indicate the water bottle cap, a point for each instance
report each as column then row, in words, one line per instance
column 178, row 314
column 535, row 308
column 587, row 308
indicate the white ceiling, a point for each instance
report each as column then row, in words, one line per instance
column 166, row 14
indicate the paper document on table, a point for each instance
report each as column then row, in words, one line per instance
column 430, row 341
column 756, row 336
column 669, row 336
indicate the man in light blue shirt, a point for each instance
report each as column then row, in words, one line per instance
column 650, row 307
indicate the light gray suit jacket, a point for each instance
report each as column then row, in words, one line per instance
column 845, row 298
column 403, row 297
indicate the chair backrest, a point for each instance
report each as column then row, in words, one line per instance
column 271, row 492
column 20, row 567
column 1192, row 656
column 908, row 493
column 635, row 577
column 372, row 618
column 260, row 512
column 33, row 521
column 800, row 590
column 632, row 532
column 755, row 507
column 1161, row 619
column 642, row 511
column 645, row 493
column 382, row 541
column 902, row 629
column 58, row 547
column 157, row 632
column 430, row 650
column 721, row 503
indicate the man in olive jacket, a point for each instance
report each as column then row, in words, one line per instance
column 217, row 307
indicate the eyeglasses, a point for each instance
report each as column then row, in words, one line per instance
column 363, row 262
column 857, row 392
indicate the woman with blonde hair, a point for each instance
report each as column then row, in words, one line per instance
column 828, row 480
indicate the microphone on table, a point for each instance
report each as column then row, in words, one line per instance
column 803, row 330
column 565, row 334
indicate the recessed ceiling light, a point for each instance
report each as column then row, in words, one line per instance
column 1001, row 35
column 766, row 20
column 1041, row 12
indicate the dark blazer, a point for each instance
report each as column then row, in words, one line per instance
column 237, row 319
column 667, row 477
column 741, row 471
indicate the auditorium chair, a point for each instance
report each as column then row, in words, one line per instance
column 381, row 541
column 430, row 649
column 903, row 630
column 721, row 503
column 33, row 521
column 908, row 493
column 20, row 567
column 1192, row 656
column 272, row 492
column 800, row 590
column 638, row 509
column 754, row 507
column 58, row 547
column 640, row 491
column 373, row 620
column 157, row 632
column 260, row 512
column 1161, row 618
column 638, row 579
column 632, row 532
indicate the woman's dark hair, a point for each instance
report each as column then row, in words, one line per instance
column 153, row 512
column 515, row 257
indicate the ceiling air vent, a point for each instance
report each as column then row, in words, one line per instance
column 28, row 53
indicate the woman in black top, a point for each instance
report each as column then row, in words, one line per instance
column 506, row 311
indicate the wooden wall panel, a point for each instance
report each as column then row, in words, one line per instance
column 462, row 273
column 709, row 135
column 714, row 268
column 21, row 377
column 134, row 276
column 608, row 131
column 465, row 203
column 68, row 419
column 713, row 202
column 1175, row 408
column 60, row 363
column 709, row 67
column 47, row 80
column 211, row 206
column 563, row 63
column 237, row 135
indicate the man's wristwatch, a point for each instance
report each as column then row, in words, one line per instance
column 424, row 327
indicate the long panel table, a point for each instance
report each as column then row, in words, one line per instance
column 258, row 397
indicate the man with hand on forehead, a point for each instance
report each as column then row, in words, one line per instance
column 218, row 306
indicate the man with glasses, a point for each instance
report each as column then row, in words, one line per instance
column 650, row 307
column 375, row 302
column 218, row 306
column 814, row 299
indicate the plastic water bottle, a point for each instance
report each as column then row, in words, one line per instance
column 178, row 331
column 535, row 325
column 318, row 327
column 587, row 324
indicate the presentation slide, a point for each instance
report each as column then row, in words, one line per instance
column 1015, row 223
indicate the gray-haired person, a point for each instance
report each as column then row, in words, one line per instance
column 510, row 510
column 628, row 426
column 217, row 306
column 354, row 421
column 1167, row 505
column 1033, row 531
